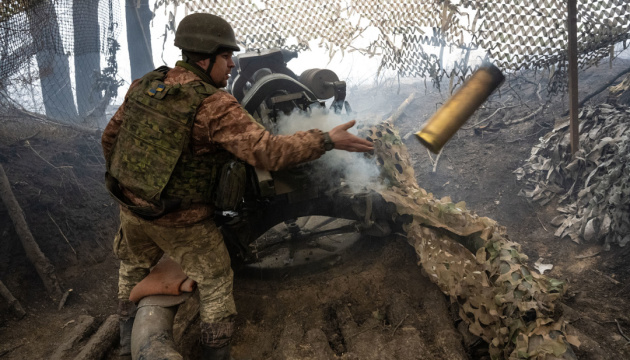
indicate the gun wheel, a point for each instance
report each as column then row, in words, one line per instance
column 305, row 243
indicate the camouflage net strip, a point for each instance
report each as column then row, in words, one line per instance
column 533, row 33
column 596, row 206
column 517, row 34
column 471, row 259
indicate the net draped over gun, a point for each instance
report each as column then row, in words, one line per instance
column 472, row 260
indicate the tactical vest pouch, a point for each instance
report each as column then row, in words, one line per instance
column 231, row 187
column 145, row 212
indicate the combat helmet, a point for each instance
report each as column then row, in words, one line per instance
column 205, row 33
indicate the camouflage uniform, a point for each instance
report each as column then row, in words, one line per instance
column 199, row 248
column 189, row 235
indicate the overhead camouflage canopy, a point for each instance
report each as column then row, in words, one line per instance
column 410, row 36
column 516, row 34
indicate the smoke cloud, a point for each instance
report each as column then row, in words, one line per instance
column 352, row 169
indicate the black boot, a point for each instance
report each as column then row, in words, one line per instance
column 127, row 312
column 213, row 353
column 215, row 340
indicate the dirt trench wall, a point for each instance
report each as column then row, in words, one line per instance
column 56, row 175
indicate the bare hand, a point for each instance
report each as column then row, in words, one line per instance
column 345, row 141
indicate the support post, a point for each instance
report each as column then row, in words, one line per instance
column 43, row 266
column 13, row 303
column 573, row 76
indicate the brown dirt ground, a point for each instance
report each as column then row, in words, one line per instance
column 372, row 302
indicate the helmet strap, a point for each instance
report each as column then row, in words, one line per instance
column 204, row 74
column 213, row 59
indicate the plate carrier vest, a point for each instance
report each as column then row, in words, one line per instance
column 152, row 156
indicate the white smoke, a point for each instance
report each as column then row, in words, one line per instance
column 355, row 170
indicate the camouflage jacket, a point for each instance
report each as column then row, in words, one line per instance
column 221, row 123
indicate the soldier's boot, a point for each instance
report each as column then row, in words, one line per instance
column 127, row 312
column 215, row 340
column 213, row 353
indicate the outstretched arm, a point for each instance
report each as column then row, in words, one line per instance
column 221, row 121
column 343, row 140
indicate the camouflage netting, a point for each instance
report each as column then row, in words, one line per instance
column 596, row 206
column 51, row 55
column 517, row 34
column 40, row 37
column 513, row 308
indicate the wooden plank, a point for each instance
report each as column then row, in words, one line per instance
column 73, row 336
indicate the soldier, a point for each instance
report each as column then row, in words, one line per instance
column 166, row 148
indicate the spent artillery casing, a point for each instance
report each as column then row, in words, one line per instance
column 454, row 113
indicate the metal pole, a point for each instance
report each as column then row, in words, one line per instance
column 573, row 76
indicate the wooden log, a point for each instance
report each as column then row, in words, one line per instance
column 392, row 119
column 100, row 343
column 13, row 303
column 43, row 266
column 84, row 326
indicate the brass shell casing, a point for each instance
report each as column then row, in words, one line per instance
column 454, row 113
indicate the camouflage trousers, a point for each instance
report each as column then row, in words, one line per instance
column 199, row 249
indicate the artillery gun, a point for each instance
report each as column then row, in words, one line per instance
column 265, row 86
column 305, row 220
